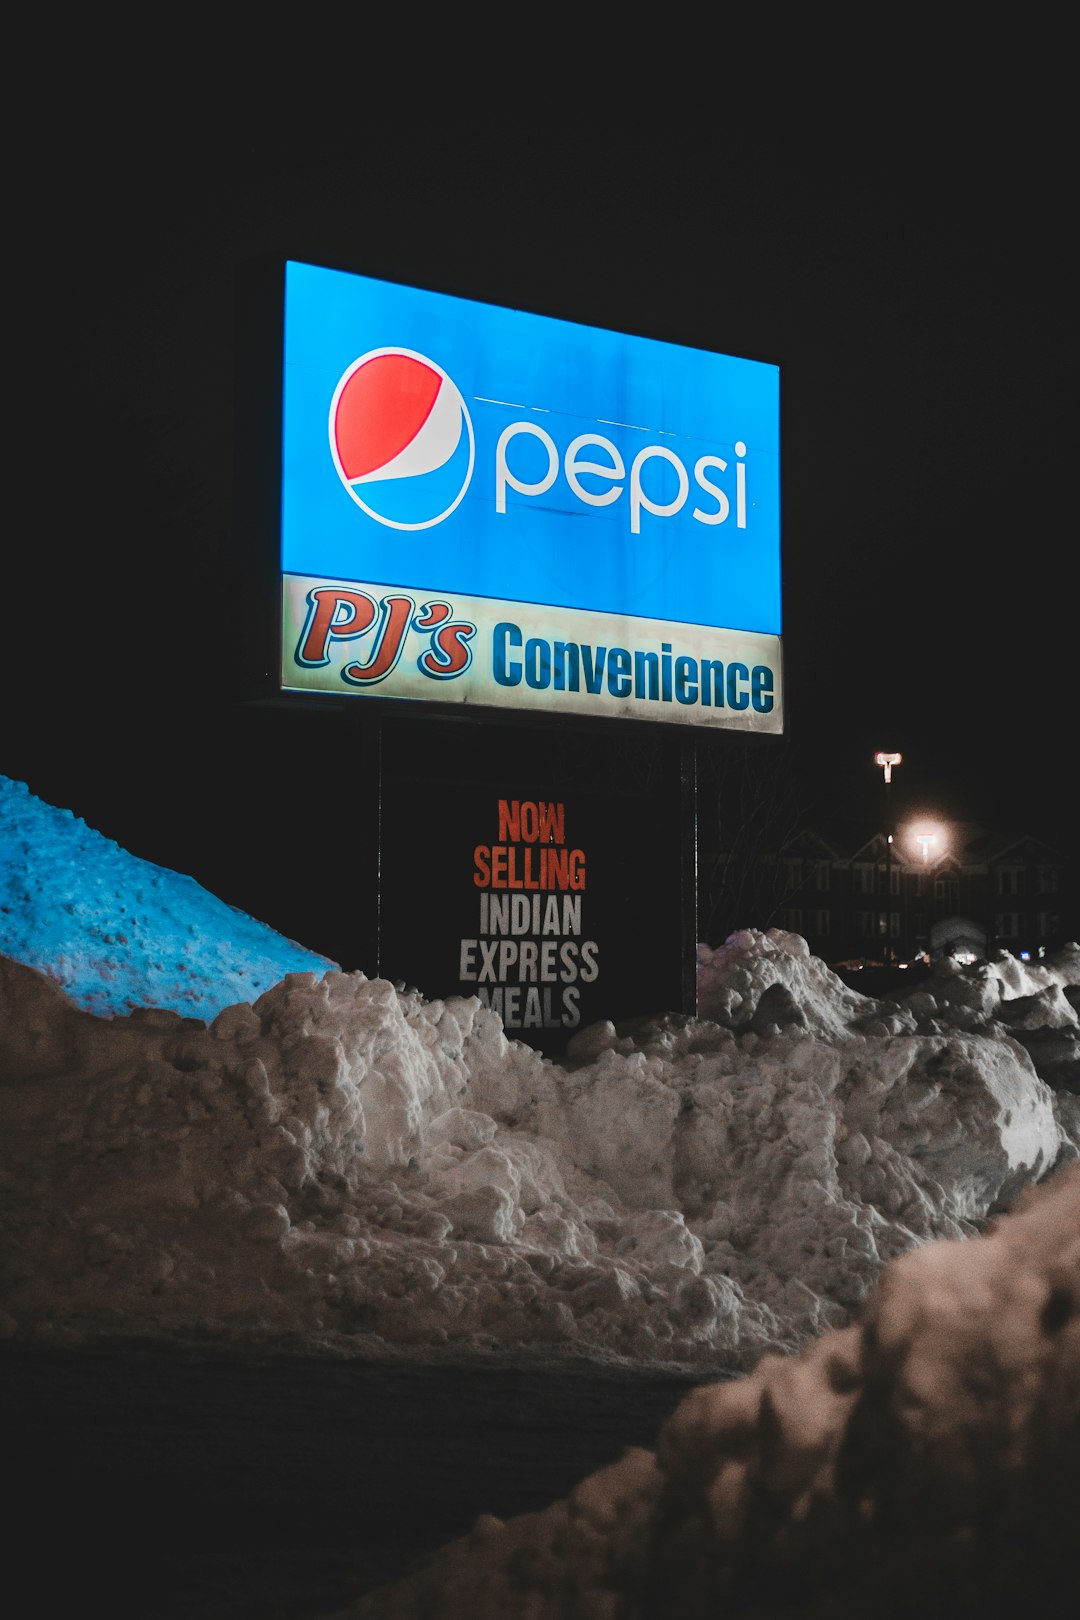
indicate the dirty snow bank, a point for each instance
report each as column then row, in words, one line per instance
column 347, row 1166
column 923, row 1461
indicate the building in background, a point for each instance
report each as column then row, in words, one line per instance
column 956, row 886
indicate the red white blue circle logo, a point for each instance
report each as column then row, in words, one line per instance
column 401, row 438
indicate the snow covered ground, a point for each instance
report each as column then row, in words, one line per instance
column 923, row 1462
column 211, row 1133
column 862, row 1215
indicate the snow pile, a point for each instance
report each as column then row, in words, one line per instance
column 924, row 1461
column 118, row 932
column 347, row 1165
column 339, row 1164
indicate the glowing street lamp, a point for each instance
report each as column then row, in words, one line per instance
column 887, row 761
column 926, row 841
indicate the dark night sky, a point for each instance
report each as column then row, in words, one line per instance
column 915, row 289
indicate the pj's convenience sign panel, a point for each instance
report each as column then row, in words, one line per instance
column 487, row 507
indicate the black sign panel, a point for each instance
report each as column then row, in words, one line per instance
column 556, row 895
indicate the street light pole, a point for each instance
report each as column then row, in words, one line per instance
column 925, row 840
column 887, row 761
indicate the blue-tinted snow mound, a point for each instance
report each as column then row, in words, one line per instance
column 118, row 932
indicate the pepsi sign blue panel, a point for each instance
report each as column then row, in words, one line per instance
column 487, row 507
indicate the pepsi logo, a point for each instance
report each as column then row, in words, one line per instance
column 401, row 438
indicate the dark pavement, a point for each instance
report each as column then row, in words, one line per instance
column 188, row 1484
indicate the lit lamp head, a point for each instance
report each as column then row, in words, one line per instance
column 925, row 840
column 887, row 761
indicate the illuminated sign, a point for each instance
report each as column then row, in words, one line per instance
column 528, row 957
column 486, row 507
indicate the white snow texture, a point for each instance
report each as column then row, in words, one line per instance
column 333, row 1164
